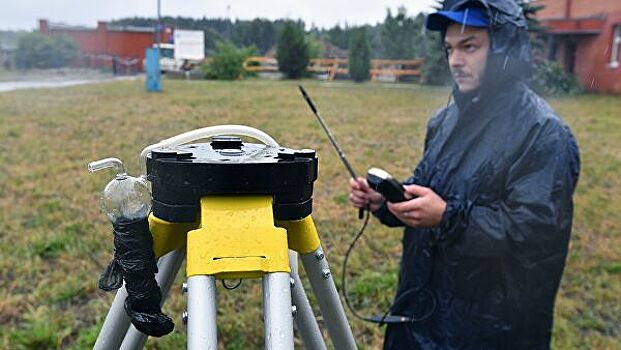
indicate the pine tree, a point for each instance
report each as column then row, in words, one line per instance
column 435, row 70
column 359, row 56
column 401, row 35
column 292, row 52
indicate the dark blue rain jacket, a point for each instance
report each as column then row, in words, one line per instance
column 487, row 276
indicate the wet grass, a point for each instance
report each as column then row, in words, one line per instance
column 54, row 241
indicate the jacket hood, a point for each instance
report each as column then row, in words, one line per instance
column 510, row 51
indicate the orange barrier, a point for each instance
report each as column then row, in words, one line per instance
column 333, row 66
column 395, row 68
column 260, row 64
column 329, row 66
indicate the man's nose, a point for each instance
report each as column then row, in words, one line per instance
column 456, row 59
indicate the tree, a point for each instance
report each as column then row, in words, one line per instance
column 258, row 32
column 227, row 62
column 35, row 50
column 315, row 47
column 435, row 70
column 359, row 56
column 339, row 37
column 401, row 35
column 292, row 51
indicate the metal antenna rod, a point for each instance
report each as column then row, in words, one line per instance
column 332, row 139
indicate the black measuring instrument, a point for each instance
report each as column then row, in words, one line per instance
column 382, row 182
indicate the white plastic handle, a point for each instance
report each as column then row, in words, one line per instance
column 210, row 131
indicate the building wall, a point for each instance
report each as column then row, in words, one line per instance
column 595, row 59
column 128, row 44
column 585, row 8
column 577, row 8
column 125, row 44
column 592, row 60
column 552, row 9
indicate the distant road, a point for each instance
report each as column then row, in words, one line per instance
column 40, row 84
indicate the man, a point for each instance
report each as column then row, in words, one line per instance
column 489, row 219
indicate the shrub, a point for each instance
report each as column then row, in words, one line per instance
column 315, row 47
column 550, row 78
column 227, row 62
column 359, row 56
column 35, row 50
column 292, row 52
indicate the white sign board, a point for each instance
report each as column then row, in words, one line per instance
column 189, row 44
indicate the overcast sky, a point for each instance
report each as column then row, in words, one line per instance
column 23, row 14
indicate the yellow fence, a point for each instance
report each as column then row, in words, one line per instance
column 332, row 67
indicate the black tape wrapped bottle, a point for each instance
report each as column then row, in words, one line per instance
column 126, row 200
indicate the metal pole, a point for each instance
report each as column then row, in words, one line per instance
column 168, row 267
column 159, row 24
column 320, row 277
column 277, row 311
column 202, row 326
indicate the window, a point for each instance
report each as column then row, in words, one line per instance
column 616, row 47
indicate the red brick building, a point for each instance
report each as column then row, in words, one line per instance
column 585, row 36
column 127, row 44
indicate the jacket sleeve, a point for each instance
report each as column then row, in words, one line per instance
column 383, row 214
column 533, row 218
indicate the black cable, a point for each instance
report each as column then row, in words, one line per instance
column 231, row 287
column 344, row 269
column 387, row 317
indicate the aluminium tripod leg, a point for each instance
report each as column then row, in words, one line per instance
column 277, row 311
column 115, row 326
column 168, row 267
column 304, row 317
column 320, row 277
column 304, row 239
column 202, row 309
column 117, row 321
column 239, row 240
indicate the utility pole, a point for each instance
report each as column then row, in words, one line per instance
column 159, row 25
column 228, row 24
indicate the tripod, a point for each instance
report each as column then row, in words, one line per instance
column 239, row 236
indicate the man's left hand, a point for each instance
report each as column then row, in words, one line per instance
column 423, row 211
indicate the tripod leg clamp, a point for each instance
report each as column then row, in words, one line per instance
column 237, row 239
column 168, row 236
column 302, row 235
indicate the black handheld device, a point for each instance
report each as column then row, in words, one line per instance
column 384, row 183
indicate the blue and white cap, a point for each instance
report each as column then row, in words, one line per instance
column 472, row 17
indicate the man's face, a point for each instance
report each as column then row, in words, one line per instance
column 467, row 49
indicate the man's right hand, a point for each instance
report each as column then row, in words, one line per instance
column 362, row 195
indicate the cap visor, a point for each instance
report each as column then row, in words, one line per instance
column 439, row 20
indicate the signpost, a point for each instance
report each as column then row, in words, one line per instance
column 153, row 80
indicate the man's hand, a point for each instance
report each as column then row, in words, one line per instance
column 425, row 210
column 362, row 195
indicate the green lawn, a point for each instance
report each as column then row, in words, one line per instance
column 54, row 241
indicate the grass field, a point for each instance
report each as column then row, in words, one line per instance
column 54, row 241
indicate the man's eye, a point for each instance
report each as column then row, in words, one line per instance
column 470, row 48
